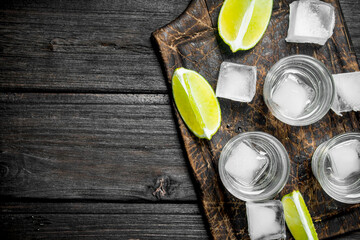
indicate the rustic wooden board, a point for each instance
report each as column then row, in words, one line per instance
column 192, row 41
column 91, row 146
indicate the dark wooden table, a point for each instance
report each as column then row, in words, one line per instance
column 88, row 144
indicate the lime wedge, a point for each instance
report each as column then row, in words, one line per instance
column 196, row 101
column 297, row 217
column 242, row 23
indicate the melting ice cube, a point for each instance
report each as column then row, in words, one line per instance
column 292, row 95
column 236, row 82
column 266, row 220
column 311, row 21
column 345, row 159
column 246, row 164
column 347, row 97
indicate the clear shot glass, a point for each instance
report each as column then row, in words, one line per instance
column 315, row 84
column 272, row 176
column 336, row 165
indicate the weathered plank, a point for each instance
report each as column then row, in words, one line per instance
column 91, row 146
column 79, row 46
column 80, row 220
column 72, row 207
column 101, row 221
column 351, row 12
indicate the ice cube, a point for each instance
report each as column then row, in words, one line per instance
column 345, row 159
column 266, row 220
column 246, row 164
column 236, row 82
column 292, row 95
column 310, row 21
column 347, row 97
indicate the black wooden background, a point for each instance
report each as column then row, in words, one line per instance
column 88, row 144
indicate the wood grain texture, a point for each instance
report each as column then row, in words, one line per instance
column 94, row 46
column 101, row 221
column 192, row 42
column 82, row 46
column 351, row 13
column 85, row 146
column 79, row 220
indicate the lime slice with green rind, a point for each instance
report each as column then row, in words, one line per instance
column 196, row 101
column 242, row 23
column 297, row 217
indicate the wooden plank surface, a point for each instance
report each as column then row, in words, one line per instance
column 76, row 46
column 89, row 156
column 105, row 220
column 351, row 13
column 87, row 146
column 101, row 221
column 80, row 46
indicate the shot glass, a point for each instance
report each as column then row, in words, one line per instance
column 272, row 176
column 299, row 90
column 336, row 165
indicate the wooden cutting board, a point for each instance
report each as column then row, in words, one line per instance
column 192, row 41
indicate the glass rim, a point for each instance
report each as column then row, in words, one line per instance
column 316, row 114
column 319, row 158
column 285, row 161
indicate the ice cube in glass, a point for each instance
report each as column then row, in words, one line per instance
column 246, row 164
column 266, row 220
column 236, row 82
column 265, row 157
column 310, row 21
column 336, row 165
column 345, row 159
column 304, row 73
column 292, row 95
column 347, row 97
